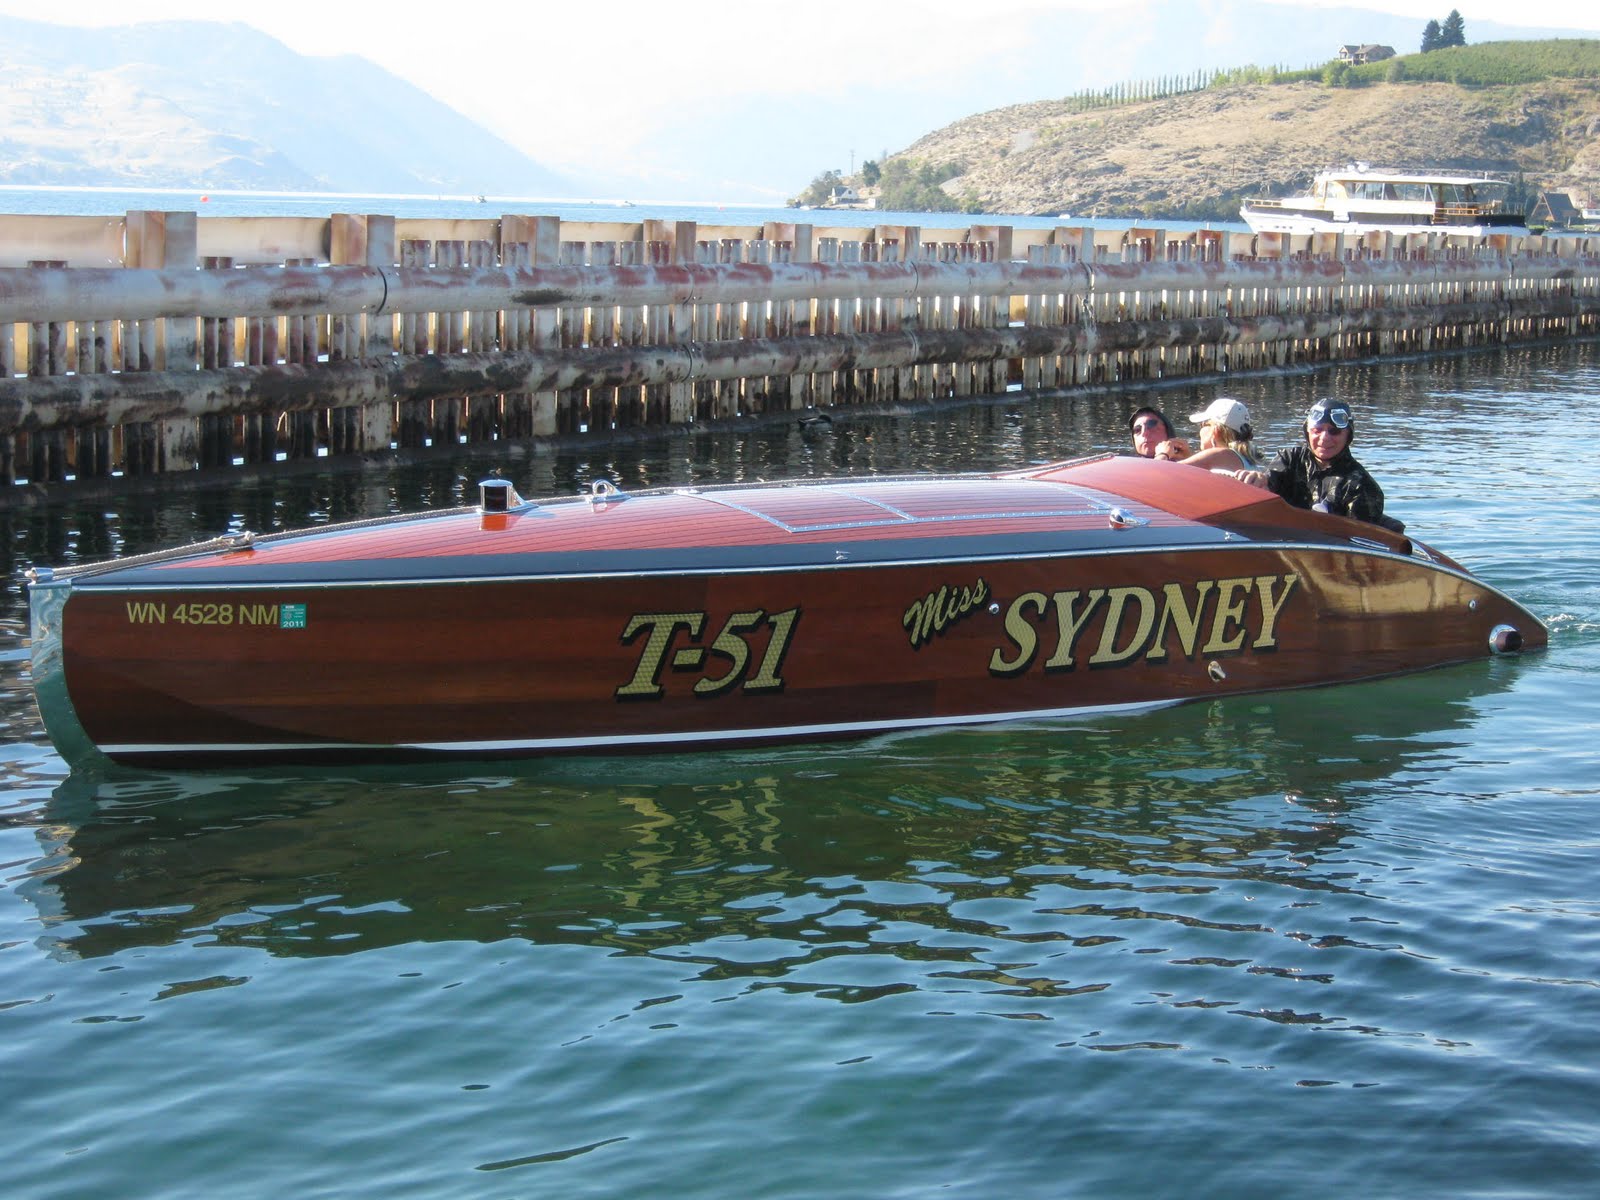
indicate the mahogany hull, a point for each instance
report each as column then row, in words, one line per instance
column 238, row 658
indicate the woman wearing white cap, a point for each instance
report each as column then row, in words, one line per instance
column 1225, row 435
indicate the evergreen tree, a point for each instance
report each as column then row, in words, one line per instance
column 1430, row 36
column 1454, row 31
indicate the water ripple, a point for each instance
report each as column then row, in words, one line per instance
column 980, row 962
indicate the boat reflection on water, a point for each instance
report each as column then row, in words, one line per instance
column 659, row 854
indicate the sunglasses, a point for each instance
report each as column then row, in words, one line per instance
column 1141, row 426
column 1323, row 413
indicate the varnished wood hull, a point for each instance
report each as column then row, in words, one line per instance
column 841, row 634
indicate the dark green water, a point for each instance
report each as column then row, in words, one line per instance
column 1335, row 942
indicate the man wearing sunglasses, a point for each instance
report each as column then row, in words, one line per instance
column 1153, row 436
column 1321, row 473
column 1149, row 427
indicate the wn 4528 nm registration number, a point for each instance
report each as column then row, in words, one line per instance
column 205, row 612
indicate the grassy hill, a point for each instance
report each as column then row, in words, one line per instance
column 1529, row 109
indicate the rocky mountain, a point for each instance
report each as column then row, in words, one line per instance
column 1196, row 154
column 215, row 105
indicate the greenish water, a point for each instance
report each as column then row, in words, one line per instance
column 1340, row 941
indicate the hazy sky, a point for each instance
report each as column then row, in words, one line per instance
column 612, row 74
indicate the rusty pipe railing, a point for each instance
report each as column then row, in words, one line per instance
column 34, row 295
column 105, row 294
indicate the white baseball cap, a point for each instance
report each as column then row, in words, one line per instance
column 1224, row 411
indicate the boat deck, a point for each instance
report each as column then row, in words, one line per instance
column 747, row 526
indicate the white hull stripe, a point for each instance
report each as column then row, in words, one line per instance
column 769, row 733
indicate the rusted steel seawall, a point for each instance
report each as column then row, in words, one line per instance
column 162, row 342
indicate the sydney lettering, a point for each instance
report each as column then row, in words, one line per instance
column 1114, row 626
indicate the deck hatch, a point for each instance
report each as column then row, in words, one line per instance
column 824, row 509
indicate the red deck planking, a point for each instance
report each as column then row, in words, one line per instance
column 846, row 511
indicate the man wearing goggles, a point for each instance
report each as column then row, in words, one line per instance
column 1321, row 473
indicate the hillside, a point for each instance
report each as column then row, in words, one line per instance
column 127, row 106
column 1197, row 153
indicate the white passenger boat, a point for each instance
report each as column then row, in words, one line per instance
column 1360, row 199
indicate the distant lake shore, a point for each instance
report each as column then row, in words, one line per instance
column 111, row 201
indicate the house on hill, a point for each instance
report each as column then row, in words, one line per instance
column 844, row 196
column 1554, row 210
column 1357, row 55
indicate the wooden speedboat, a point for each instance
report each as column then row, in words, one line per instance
column 688, row 618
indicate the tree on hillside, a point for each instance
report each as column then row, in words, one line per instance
column 1454, row 31
column 909, row 185
column 818, row 191
column 1431, row 34
column 870, row 173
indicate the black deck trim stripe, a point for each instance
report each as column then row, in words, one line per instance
column 688, row 560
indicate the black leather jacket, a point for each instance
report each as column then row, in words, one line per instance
column 1343, row 486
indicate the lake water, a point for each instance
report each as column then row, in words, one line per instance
column 1343, row 941
column 104, row 201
